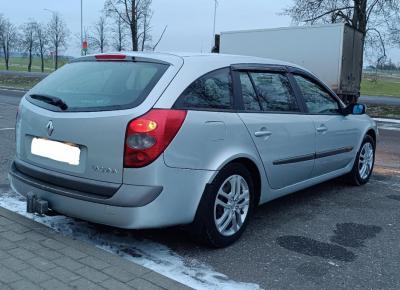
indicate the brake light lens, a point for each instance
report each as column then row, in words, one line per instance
column 148, row 136
column 110, row 56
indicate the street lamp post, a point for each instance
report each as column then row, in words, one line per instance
column 215, row 16
column 81, row 27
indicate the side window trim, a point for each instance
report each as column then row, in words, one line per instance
column 298, row 93
column 255, row 90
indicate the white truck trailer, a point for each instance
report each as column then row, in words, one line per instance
column 333, row 52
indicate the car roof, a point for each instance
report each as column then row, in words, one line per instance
column 211, row 58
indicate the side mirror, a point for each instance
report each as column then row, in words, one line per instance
column 355, row 109
column 359, row 109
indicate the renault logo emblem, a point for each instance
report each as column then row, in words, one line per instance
column 50, row 128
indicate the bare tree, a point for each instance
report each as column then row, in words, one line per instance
column 29, row 40
column 58, row 33
column 98, row 38
column 119, row 34
column 42, row 42
column 136, row 14
column 8, row 39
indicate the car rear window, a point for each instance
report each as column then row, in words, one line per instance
column 100, row 86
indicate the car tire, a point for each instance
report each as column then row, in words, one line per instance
column 364, row 163
column 220, row 202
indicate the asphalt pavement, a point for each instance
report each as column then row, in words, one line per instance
column 330, row 236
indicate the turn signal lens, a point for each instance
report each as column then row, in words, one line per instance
column 143, row 125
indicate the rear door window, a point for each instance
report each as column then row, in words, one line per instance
column 211, row 91
column 274, row 92
column 96, row 86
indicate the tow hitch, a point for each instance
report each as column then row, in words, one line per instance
column 36, row 205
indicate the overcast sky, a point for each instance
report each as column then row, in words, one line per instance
column 190, row 22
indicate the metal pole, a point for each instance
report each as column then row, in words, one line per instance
column 81, row 27
column 215, row 17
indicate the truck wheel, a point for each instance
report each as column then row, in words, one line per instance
column 364, row 163
column 225, row 208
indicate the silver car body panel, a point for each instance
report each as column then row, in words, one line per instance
column 206, row 142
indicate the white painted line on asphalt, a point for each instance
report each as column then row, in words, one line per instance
column 6, row 129
column 395, row 121
column 389, row 126
column 13, row 90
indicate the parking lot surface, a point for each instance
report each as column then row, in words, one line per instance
column 330, row 236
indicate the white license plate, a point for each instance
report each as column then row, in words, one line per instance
column 54, row 150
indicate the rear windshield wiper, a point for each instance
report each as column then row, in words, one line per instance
column 50, row 100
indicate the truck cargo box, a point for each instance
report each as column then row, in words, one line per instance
column 333, row 52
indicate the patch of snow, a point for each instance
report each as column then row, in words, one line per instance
column 149, row 254
column 333, row 264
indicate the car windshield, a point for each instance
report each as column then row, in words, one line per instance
column 100, row 85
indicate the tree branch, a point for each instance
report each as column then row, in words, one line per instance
column 162, row 35
column 327, row 13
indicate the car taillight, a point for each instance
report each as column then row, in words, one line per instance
column 149, row 135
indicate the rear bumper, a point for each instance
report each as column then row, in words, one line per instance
column 123, row 196
column 132, row 206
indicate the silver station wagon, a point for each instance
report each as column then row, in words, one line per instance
column 149, row 140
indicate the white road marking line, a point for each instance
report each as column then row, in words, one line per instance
column 388, row 128
column 13, row 90
column 395, row 121
column 6, row 129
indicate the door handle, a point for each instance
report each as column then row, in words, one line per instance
column 322, row 129
column 263, row 133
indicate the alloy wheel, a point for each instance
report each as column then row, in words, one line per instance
column 231, row 205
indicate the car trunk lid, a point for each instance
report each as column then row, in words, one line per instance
column 85, row 141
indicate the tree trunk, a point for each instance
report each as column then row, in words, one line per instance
column 7, row 59
column 42, row 61
column 134, row 28
column 56, row 59
column 119, row 39
column 30, row 61
column 360, row 23
column 134, row 38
